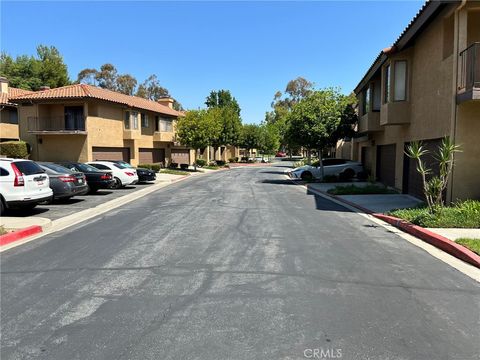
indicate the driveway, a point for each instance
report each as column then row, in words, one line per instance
column 239, row 264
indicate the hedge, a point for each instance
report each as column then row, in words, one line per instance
column 154, row 167
column 15, row 149
column 201, row 162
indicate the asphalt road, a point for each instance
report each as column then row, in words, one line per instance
column 239, row 264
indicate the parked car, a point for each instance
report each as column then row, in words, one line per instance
column 23, row 184
column 96, row 179
column 280, row 154
column 144, row 174
column 122, row 175
column 344, row 169
column 64, row 182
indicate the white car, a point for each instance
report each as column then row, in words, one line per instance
column 122, row 175
column 344, row 169
column 23, row 184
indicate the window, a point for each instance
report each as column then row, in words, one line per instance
column 366, row 100
column 157, row 125
column 144, row 120
column 400, row 83
column 377, row 95
column 13, row 117
column 386, row 94
column 3, row 172
column 166, row 125
column 28, row 167
column 101, row 167
column 134, row 120
column 126, row 120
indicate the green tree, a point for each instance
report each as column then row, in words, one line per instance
column 87, row 76
column 269, row 138
column 106, row 77
column 195, row 130
column 126, row 84
column 251, row 137
column 222, row 98
column 314, row 119
column 30, row 73
column 151, row 89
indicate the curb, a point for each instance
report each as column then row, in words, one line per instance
column 20, row 234
column 439, row 241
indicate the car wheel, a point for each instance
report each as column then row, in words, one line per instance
column 306, row 176
column 347, row 174
column 118, row 183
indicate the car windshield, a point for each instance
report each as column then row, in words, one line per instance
column 86, row 168
column 57, row 168
column 120, row 166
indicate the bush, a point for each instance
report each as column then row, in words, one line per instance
column 200, row 162
column 184, row 166
column 464, row 214
column 145, row 166
column 15, row 149
column 173, row 165
column 233, row 159
column 220, row 163
column 245, row 158
column 156, row 167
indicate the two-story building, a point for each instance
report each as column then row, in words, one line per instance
column 9, row 111
column 84, row 123
column 424, row 87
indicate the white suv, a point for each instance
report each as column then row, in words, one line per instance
column 23, row 184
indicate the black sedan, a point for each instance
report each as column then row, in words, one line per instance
column 143, row 173
column 96, row 179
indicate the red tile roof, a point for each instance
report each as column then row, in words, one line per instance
column 12, row 92
column 84, row 91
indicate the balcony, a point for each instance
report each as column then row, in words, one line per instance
column 369, row 122
column 395, row 113
column 132, row 134
column 469, row 76
column 163, row 136
column 56, row 125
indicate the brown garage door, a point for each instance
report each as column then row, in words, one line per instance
column 151, row 156
column 386, row 164
column 412, row 180
column 181, row 156
column 111, row 153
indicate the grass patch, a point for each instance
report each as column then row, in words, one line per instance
column 464, row 214
column 361, row 190
column 472, row 244
column 211, row 167
column 174, row 172
column 2, row 230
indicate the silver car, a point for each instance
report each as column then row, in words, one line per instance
column 344, row 169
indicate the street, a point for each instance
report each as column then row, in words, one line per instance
column 239, row 264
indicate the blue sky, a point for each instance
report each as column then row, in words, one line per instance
column 251, row 48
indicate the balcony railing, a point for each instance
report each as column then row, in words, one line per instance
column 469, row 79
column 57, row 124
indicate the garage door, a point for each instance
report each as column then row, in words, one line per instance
column 386, row 164
column 151, row 156
column 412, row 180
column 181, row 156
column 111, row 153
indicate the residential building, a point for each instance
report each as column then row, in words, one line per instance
column 84, row 123
column 424, row 87
column 8, row 111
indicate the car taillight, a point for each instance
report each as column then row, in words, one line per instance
column 106, row 177
column 19, row 181
column 68, row 178
column 129, row 173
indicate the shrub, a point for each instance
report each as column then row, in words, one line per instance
column 220, row 163
column 200, row 162
column 184, row 166
column 156, row 167
column 173, row 165
column 145, row 166
column 212, row 163
column 15, row 149
column 233, row 159
column 245, row 158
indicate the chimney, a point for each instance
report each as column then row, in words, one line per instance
column 167, row 101
column 3, row 85
column 43, row 88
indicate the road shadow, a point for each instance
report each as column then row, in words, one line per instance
column 100, row 193
column 69, row 201
column 282, row 166
column 144, row 183
column 273, row 172
column 326, row 205
column 277, row 181
column 24, row 212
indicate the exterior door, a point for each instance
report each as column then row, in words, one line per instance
column 386, row 164
column 111, row 153
column 74, row 119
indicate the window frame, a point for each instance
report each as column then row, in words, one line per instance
column 144, row 120
column 126, row 120
column 405, row 80
column 134, row 120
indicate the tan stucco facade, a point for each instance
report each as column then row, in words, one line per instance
column 430, row 109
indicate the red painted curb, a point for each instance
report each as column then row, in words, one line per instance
column 436, row 240
column 19, row 234
column 432, row 238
